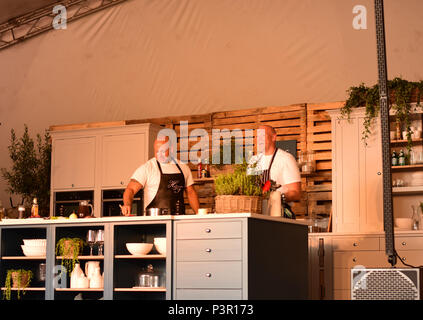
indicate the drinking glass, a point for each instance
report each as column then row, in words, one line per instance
column 91, row 239
column 100, row 241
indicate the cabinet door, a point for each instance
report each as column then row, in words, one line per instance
column 357, row 176
column 73, row 163
column 121, row 155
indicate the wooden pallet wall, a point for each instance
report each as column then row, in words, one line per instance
column 309, row 124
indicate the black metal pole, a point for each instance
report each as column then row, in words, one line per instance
column 388, row 215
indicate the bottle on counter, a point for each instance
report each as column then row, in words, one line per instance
column 207, row 168
column 401, row 158
column 34, row 209
column 394, row 161
column 199, row 168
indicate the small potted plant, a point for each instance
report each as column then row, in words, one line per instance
column 238, row 191
column 69, row 249
column 17, row 278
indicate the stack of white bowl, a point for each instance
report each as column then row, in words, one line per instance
column 34, row 247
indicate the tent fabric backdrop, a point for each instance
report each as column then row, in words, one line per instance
column 153, row 58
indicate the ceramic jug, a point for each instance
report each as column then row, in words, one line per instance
column 97, row 280
column 76, row 275
column 90, row 268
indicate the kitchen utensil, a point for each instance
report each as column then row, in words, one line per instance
column 99, row 239
column 139, row 248
column 160, row 244
column 202, row 211
column 91, row 239
column 84, row 209
column 90, row 268
column 157, row 211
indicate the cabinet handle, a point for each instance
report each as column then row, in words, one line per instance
column 208, row 230
column 355, row 244
column 404, row 243
column 208, row 275
column 354, row 259
column 379, row 173
column 73, row 185
column 403, row 259
column 208, row 250
column 121, row 183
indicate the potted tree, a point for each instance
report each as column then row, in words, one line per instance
column 238, row 191
column 19, row 279
column 69, row 249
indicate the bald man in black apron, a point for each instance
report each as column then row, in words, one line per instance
column 163, row 189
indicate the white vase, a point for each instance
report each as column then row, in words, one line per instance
column 77, row 273
column 90, row 267
column 97, row 280
column 275, row 204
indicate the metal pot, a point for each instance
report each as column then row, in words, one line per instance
column 156, row 211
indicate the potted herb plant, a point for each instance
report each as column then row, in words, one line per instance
column 238, row 191
column 19, row 279
column 69, row 249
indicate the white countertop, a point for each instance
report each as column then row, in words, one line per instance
column 36, row 221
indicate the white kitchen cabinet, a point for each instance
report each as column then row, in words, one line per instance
column 73, row 163
column 121, row 155
column 357, row 192
column 98, row 158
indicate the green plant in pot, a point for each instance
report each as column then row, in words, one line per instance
column 17, row 278
column 402, row 93
column 238, row 188
column 69, row 249
column 29, row 175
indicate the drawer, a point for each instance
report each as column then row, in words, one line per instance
column 412, row 257
column 209, row 275
column 208, row 250
column 208, row 294
column 341, row 295
column 404, row 243
column 355, row 243
column 209, row 230
column 341, row 279
column 368, row 259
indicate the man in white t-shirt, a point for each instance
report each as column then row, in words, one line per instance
column 277, row 165
column 164, row 181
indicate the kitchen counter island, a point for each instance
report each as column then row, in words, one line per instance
column 214, row 256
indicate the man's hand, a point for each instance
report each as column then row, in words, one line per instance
column 128, row 196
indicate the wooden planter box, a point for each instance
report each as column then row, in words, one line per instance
column 238, row 204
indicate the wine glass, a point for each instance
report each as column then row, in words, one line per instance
column 99, row 239
column 91, row 239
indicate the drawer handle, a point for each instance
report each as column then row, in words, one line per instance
column 208, row 250
column 403, row 259
column 355, row 244
column 208, row 275
column 208, row 230
column 73, row 185
column 404, row 243
column 354, row 259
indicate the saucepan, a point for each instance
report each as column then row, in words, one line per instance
column 156, row 211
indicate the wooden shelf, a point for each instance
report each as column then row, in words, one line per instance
column 203, row 180
column 84, row 257
column 79, row 289
column 22, row 258
column 144, row 256
column 405, row 141
column 407, row 190
column 141, row 289
column 407, row 167
column 26, row 289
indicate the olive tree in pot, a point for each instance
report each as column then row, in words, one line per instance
column 29, row 175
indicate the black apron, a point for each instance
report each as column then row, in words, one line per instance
column 265, row 176
column 170, row 194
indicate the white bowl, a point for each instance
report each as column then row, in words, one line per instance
column 34, row 251
column 404, row 223
column 35, row 242
column 137, row 249
column 160, row 244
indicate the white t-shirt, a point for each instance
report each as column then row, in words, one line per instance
column 149, row 176
column 284, row 168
